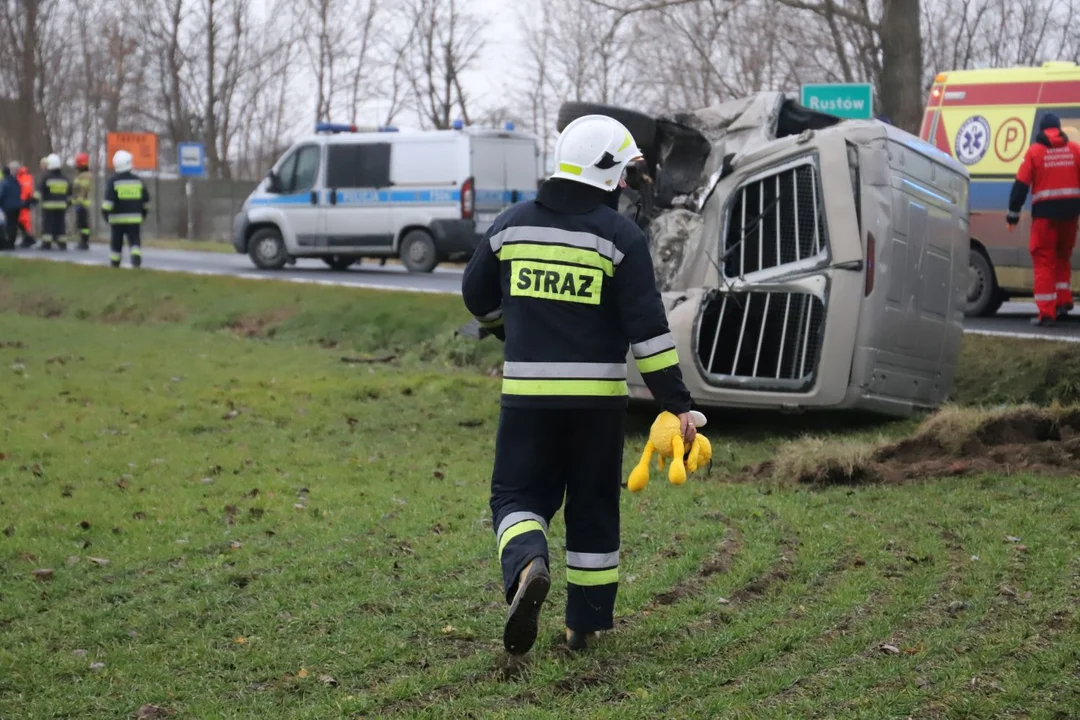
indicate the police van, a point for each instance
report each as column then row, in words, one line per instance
column 343, row 195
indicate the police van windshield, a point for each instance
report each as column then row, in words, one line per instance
column 298, row 171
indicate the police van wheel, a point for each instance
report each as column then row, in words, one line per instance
column 418, row 252
column 267, row 249
column 339, row 262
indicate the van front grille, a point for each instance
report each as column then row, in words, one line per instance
column 778, row 220
column 762, row 339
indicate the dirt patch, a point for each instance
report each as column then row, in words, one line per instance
column 953, row 443
column 41, row 304
column 260, row 325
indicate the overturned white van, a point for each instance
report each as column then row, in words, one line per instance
column 805, row 262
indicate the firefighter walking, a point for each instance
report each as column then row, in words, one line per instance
column 54, row 197
column 125, row 206
column 81, row 198
column 1051, row 171
column 567, row 283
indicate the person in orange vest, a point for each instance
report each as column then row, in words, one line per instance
column 1051, row 171
column 26, row 186
column 80, row 197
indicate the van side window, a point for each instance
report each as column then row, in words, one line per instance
column 358, row 166
column 286, row 171
column 307, row 169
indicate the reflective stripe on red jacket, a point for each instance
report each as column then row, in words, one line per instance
column 1051, row 171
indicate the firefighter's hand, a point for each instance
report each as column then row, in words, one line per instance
column 686, row 426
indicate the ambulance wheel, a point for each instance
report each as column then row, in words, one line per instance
column 984, row 298
column 339, row 262
column 640, row 125
column 418, row 252
column 267, row 249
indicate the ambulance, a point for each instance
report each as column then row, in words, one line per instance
column 986, row 119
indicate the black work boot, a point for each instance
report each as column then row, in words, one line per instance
column 522, row 621
column 136, row 260
column 578, row 640
column 84, row 244
column 62, row 245
column 27, row 243
column 46, row 245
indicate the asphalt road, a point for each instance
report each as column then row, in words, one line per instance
column 1011, row 321
column 368, row 275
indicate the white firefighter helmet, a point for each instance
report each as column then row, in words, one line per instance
column 122, row 161
column 594, row 150
column 52, row 162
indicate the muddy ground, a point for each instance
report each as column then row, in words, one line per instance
column 1007, row 442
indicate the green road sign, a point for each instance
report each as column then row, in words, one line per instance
column 852, row 102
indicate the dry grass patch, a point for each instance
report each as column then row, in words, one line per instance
column 953, row 442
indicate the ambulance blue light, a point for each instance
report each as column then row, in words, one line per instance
column 457, row 124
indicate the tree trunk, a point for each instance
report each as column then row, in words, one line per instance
column 901, row 92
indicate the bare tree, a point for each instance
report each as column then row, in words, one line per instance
column 442, row 45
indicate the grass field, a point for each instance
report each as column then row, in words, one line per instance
column 240, row 524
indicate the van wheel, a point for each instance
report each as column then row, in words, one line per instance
column 418, row 252
column 984, row 298
column 267, row 249
column 339, row 262
column 640, row 125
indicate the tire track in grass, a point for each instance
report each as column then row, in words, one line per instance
column 503, row 674
column 992, row 640
column 739, row 621
column 818, row 634
column 917, row 596
column 504, row 668
column 932, row 634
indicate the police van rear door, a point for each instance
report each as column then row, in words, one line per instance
column 505, row 171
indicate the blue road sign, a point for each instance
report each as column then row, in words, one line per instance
column 191, row 158
column 849, row 101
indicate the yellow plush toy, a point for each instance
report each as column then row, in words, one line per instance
column 665, row 439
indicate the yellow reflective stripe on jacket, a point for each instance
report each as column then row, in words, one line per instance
column 520, row 529
column 600, row 388
column 556, row 253
column 125, row 219
column 591, row 578
column 107, row 205
column 666, row 359
column 54, row 205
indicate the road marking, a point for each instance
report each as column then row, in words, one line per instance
column 1023, row 336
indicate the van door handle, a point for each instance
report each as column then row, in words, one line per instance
column 333, row 197
column 314, row 198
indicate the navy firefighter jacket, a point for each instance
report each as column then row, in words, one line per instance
column 569, row 281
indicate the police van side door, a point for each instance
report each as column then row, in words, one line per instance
column 358, row 208
column 301, row 197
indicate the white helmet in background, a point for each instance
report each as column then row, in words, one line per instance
column 594, row 150
column 122, row 161
column 52, row 162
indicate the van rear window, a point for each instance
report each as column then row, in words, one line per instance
column 358, row 166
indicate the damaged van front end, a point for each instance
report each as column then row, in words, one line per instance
column 807, row 262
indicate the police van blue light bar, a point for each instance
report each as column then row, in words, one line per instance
column 334, row 127
column 457, row 124
column 388, row 128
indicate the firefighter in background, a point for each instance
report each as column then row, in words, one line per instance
column 81, row 198
column 26, row 185
column 567, row 283
column 1051, row 170
column 54, row 197
column 125, row 206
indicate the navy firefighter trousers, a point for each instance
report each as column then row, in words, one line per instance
column 542, row 456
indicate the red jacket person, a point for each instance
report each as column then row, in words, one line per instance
column 1051, row 170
